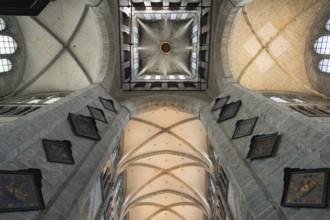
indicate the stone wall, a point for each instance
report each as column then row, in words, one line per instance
column 66, row 188
column 259, row 183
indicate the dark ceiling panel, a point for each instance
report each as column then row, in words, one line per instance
column 22, row 7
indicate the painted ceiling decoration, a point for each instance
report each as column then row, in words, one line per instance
column 270, row 55
column 165, row 160
column 164, row 44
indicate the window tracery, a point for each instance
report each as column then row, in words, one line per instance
column 322, row 47
column 8, row 47
column 2, row 24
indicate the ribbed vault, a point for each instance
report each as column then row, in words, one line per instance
column 270, row 54
column 58, row 57
column 165, row 159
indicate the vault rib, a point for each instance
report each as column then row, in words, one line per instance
column 163, row 130
column 165, row 209
column 152, row 62
column 167, row 172
column 180, row 64
column 151, row 33
column 198, row 204
column 190, row 188
column 183, row 30
column 121, row 163
column 170, row 152
column 159, row 168
column 163, row 206
column 192, row 147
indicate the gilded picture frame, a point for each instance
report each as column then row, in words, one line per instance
column 305, row 188
column 97, row 114
column 244, row 127
column 108, row 104
column 220, row 102
column 58, row 151
column 84, row 126
column 262, row 146
column 21, row 190
column 229, row 111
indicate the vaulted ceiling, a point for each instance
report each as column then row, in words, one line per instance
column 165, row 157
column 58, row 57
column 270, row 54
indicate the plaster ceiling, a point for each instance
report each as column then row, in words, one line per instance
column 270, row 55
column 58, row 57
column 165, row 156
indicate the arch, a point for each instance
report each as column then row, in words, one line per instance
column 12, row 55
column 8, row 45
column 140, row 190
column 5, row 65
column 198, row 204
column 317, row 54
column 3, row 24
column 162, row 207
column 267, row 55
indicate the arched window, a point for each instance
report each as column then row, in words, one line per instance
column 327, row 25
column 8, row 47
column 322, row 46
column 5, row 65
column 324, row 65
column 2, row 24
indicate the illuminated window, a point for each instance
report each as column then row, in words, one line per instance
column 322, row 45
column 324, row 65
column 327, row 25
column 278, row 99
column 2, row 24
column 8, row 46
column 5, row 65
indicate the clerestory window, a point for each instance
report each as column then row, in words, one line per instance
column 8, row 47
column 322, row 47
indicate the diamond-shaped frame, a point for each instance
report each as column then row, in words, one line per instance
column 108, row 104
column 229, row 111
column 220, row 102
column 244, row 127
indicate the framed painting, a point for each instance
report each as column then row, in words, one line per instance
column 97, row 114
column 108, row 104
column 21, row 190
column 229, row 111
column 84, row 126
column 219, row 103
column 244, row 127
column 306, row 188
column 262, row 146
column 58, row 151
